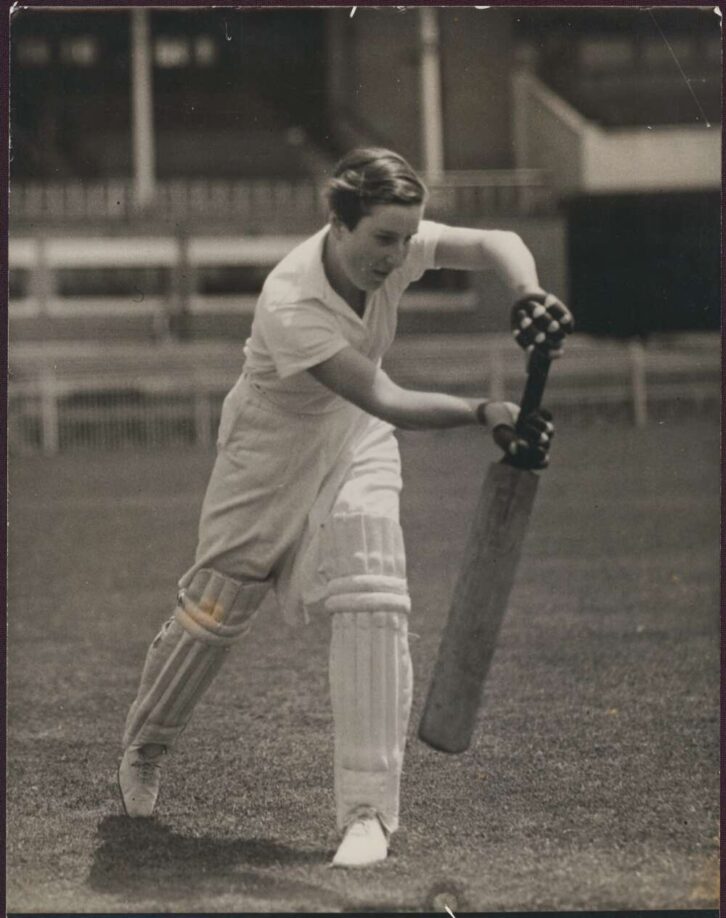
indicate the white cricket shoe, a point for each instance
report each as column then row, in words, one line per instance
column 139, row 777
column 364, row 843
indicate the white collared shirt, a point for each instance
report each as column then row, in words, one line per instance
column 300, row 321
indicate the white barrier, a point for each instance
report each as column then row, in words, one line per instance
column 69, row 398
column 175, row 269
column 177, row 261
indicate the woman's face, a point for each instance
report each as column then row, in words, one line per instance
column 378, row 244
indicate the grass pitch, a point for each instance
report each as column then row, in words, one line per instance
column 593, row 779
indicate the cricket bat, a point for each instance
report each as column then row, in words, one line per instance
column 481, row 594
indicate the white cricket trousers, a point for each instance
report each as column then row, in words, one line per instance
column 282, row 486
column 276, row 479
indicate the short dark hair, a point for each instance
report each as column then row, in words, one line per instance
column 368, row 176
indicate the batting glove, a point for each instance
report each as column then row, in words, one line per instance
column 495, row 414
column 540, row 320
column 527, row 447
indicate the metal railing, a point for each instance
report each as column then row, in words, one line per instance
column 261, row 206
column 251, row 202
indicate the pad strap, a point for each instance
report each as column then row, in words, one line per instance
column 368, row 593
column 365, row 564
column 216, row 609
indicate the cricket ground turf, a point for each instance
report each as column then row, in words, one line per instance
column 592, row 782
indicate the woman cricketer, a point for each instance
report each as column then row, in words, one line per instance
column 303, row 498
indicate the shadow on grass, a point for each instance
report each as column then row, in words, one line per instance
column 144, row 859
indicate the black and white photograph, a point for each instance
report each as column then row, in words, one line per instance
column 363, row 458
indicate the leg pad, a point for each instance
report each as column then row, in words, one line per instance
column 371, row 688
column 213, row 613
column 370, row 664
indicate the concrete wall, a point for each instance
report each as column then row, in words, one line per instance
column 657, row 159
column 374, row 78
column 583, row 158
column 374, row 60
column 476, row 61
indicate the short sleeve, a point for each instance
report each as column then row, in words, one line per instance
column 422, row 253
column 298, row 335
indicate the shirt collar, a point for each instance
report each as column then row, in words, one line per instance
column 315, row 283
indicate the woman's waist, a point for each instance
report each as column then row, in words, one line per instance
column 290, row 396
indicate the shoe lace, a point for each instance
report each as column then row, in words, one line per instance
column 148, row 769
column 359, row 821
column 363, row 826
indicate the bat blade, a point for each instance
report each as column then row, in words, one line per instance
column 480, row 599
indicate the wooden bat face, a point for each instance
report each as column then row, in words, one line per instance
column 482, row 590
column 480, row 600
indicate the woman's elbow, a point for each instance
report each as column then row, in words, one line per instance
column 388, row 402
column 513, row 242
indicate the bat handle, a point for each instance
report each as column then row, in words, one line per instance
column 537, row 370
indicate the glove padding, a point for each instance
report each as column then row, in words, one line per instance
column 529, row 446
column 540, row 320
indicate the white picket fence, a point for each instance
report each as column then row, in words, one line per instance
column 145, row 397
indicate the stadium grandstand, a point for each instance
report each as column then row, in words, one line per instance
column 162, row 160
